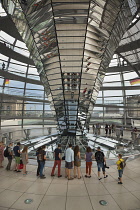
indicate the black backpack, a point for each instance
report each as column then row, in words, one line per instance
column 41, row 155
column 122, row 164
column 6, row 153
column 99, row 156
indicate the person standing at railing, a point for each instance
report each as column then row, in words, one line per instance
column 93, row 127
column 121, row 131
column 57, row 155
column 106, row 129
column 3, row 66
column 109, row 128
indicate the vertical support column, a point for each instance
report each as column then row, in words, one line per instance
column 103, row 106
column 8, row 63
column 24, row 95
column 43, row 108
column 123, row 92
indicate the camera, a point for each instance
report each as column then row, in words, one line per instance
column 106, row 166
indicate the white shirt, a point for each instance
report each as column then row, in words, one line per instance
column 69, row 156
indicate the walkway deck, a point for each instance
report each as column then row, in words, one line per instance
column 61, row 194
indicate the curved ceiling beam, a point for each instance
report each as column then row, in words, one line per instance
column 113, row 69
column 121, row 88
column 8, row 26
column 134, row 68
column 8, row 96
column 129, row 46
column 8, row 75
column 14, row 55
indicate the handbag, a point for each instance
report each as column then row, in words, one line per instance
column 21, row 165
column 63, row 158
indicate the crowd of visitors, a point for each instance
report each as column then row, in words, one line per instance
column 72, row 161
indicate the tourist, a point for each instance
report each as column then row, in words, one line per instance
column 120, row 168
column 10, row 155
column 88, row 159
column 98, row 127
column 69, row 158
column 16, row 150
column 88, row 128
column 57, row 155
column 113, row 128
column 84, row 91
column 101, row 161
column 121, row 131
column 109, row 128
column 42, row 158
column 106, row 129
column 93, row 127
column 135, row 129
column 24, row 156
column 38, row 168
column 77, row 162
column 89, row 93
column 1, row 154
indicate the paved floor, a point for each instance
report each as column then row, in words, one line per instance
column 61, row 194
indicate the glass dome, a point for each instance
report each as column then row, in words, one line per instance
column 85, row 91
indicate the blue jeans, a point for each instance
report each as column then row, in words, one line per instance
column 42, row 163
column 120, row 172
column 101, row 165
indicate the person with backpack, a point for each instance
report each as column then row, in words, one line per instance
column 1, row 154
column 9, row 154
column 101, row 161
column 16, row 150
column 42, row 158
column 120, row 165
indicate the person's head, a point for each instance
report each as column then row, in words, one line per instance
column 25, row 149
column 76, row 150
column 44, row 147
column 88, row 149
column 98, row 148
column 18, row 143
column 59, row 145
column 10, row 144
column 39, row 149
column 70, row 145
column 119, row 156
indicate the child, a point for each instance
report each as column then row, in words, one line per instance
column 120, row 168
